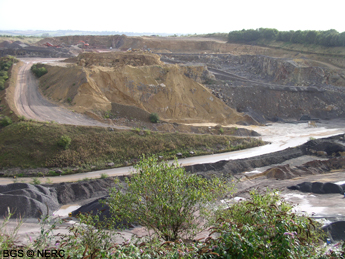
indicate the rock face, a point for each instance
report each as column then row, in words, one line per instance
column 27, row 201
column 20, row 49
column 293, row 86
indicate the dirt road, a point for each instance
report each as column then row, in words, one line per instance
column 32, row 105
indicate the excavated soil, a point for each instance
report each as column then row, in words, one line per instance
column 111, row 82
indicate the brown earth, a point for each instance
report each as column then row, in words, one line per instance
column 140, row 80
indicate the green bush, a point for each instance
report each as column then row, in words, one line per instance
column 154, row 118
column 38, row 70
column 4, row 75
column 265, row 227
column 64, row 141
column 164, row 198
column 35, row 181
column 5, row 121
column 104, row 176
column 2, row 84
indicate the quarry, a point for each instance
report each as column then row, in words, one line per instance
column 290, row 101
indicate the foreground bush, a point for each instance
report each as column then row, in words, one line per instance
column 249, row 233
column 265, row 227
column 164, row 198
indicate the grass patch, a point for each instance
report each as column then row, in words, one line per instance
column 30, row 144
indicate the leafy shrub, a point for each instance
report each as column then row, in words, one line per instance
column 2, row 83
column 5, row 121
column 4, row 75
column 221, row 130
column 89, row 239
column 164, row 198
column 35, row 181
column 38, row 70
column 64, row 141
column 7, row 238
column 104, row 175
column 154, row 118
column 265, row 227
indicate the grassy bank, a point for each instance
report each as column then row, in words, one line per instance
column 30, row 144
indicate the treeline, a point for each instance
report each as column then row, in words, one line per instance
column 330, row 38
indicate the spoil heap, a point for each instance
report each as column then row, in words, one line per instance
column 105, row 81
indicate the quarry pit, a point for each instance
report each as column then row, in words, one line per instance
column 193, row 82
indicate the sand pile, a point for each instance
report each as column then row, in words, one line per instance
column 137, row 80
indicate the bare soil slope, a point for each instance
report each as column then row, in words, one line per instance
column 139, row 80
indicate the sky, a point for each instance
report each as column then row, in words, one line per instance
column 177, row 16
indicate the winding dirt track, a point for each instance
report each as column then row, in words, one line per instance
column 32, row 105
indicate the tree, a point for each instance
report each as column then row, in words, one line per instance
column 311, row 37
column 164, row 198
column 268, row 34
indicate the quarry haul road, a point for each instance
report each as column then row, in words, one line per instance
column 32, row 105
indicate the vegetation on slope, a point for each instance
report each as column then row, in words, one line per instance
column 5, row 65
column 29, row 144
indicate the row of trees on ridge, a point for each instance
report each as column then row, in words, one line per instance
column 329, row 38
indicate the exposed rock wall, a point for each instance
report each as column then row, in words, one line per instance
column 286, row 103
column 274, row 87
column 35, row 52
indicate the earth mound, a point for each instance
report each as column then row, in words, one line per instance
column 27, row 201
column 336, row 230
column 138, row 80
column 318, row 187
column 71, row 192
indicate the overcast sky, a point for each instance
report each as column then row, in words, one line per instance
column 176, row 16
